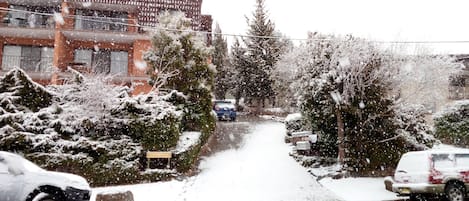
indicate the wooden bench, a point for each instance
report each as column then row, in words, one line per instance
column 158, row 155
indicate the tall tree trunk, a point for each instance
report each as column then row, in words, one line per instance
column 340, row 135
column 259, row 106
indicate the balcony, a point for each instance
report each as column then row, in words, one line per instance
column 33, row 21
column 99, row 20
column 20, row 22
column 101, row 24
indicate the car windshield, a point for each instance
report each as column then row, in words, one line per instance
column 225, row 105
column 18, row 164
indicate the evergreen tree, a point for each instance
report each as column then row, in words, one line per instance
column 239, row 62
column 183, row 57
column 263, row 51
column 219, row 59
column 344, row 86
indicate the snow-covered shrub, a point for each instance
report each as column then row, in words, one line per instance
column 179, row 60
column 102, row 138
column 294, row 123
column 413, row 127
column 452, row 124
column 343, row 88
column 20, row 93
column 187, row 151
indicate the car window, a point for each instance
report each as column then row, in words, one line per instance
column 413, row 163
column 462, row 160
column 442, row 161
column 31, row 167
column 225, row 105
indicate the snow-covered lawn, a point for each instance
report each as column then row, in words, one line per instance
column 260, row 170
column 359, row 189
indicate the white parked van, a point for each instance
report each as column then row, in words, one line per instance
column 434, row 172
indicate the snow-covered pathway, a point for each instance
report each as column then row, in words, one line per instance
column 260, row 170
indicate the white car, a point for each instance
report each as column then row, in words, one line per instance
column 433, row 172
column 22, row 180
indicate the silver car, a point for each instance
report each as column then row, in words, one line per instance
column 443, row 172
column 22, row 180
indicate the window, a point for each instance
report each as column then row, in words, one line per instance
column 3, row 166
column 442, row 161
column 11, row 57
column 29, row 58
column 462, row 161
column 119, row 63
column 83, row 57
column 103, row 61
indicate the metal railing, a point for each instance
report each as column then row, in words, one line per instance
column 101, row 68
column 101, row 23
column 27, row 21
column 29, row 64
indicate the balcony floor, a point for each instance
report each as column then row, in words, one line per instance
column 22, row 32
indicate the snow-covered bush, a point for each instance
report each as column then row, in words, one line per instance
column 20, row 93
column 413, row 127
column 295, row 123
column 89, row 127
column 179, row 51
column 452, row 124
column 343, row 88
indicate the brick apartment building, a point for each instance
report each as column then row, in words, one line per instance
column 95, row 36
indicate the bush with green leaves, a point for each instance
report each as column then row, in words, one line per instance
column 452, row 124
column 89, row 127
column 179, row 60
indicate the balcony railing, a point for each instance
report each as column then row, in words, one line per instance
column 119, row 68
column 27, row 20
column 29, row 64
column 101, row 23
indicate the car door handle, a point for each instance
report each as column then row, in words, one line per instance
column 402, row 171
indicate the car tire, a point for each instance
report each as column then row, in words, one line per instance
column 417, row 197
column 48, row 198
column 455, row 192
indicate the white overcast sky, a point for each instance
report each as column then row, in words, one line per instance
column 388, row 20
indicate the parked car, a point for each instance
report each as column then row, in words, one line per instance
column 22, row 180
column 225, row 110
column 442, row 172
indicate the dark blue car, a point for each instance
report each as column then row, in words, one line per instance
column 225, row 110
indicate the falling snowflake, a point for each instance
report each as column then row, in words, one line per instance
column 59, row 18
column 362, row 105
column 86, row 4
column 141, row 65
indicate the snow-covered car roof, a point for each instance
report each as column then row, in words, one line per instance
column 34, row 176
column 442, row 151
column 18, row 164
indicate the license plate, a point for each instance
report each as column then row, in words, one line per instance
column 404, row 191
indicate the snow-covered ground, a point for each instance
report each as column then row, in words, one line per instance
column 359, row 189
column 259, row 170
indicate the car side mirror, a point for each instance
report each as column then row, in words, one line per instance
column 15, row 171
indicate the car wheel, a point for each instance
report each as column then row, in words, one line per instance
column 455, row 192
column 48, row 198
column 417, row 197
